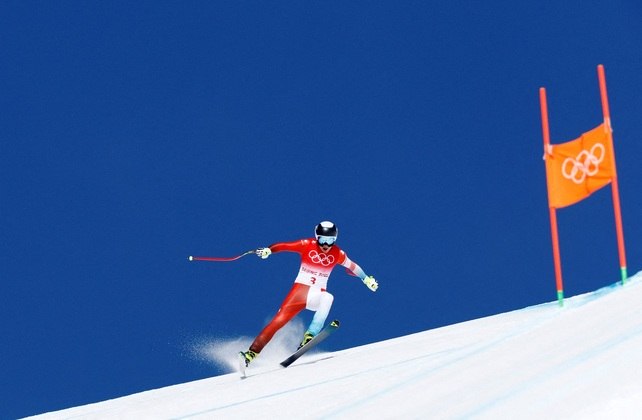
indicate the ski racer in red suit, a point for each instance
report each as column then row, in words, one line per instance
column 318, row 257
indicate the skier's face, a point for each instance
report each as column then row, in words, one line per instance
column 325, row 247
column 326, row 242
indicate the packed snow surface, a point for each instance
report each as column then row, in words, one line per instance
column 581, row 360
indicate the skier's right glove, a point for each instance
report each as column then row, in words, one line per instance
column 371, row 283
column 263, row 252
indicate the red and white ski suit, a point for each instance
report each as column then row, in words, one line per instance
column 309, row 289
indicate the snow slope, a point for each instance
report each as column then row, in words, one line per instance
column 580, row 361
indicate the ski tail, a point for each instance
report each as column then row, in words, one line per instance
column 242, row 364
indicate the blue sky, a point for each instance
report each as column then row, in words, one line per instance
column 134, row 135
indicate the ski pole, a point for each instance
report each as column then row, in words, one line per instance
column 191, row 258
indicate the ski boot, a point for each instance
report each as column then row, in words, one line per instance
column 247, row 357
column 306, row 339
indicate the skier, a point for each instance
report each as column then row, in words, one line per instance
column 319, row 255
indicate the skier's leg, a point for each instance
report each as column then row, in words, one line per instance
column 293, row 303
column 321, row 302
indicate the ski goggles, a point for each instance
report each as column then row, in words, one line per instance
column 326, row 240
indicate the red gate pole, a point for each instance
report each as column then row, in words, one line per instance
column 551, row 210
column 614, row 184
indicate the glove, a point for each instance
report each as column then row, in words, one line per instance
column 371, row 283
column 263, row 252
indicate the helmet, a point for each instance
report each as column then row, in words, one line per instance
column 327, row 229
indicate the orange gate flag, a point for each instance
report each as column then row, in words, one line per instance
column 578, row 168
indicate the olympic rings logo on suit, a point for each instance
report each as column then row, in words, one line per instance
column 321, row 258
column 585, row 164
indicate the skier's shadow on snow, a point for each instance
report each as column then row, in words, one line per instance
column 294, row 366
column 311, row 362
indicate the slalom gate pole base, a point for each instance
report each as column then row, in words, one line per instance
column 560, row 297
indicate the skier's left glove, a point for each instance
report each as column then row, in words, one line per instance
column 371, row 283
column 263, row 252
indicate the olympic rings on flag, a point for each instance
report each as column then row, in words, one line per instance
column 585, row 164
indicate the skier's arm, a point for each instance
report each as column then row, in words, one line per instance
column 294, row 246
column 358, row 271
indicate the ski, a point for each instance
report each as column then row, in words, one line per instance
column 325, row 332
